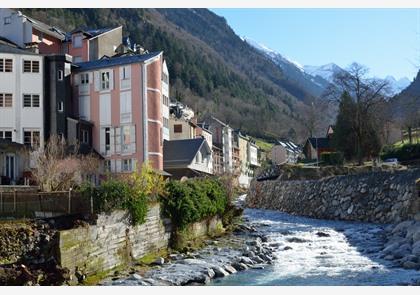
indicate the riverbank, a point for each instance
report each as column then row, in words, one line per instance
column 246, row 248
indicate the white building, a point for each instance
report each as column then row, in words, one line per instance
column 21, row 101
column 165, row 101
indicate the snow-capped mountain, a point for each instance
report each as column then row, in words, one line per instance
column 325, row 71
column 292, row 69
column 397, row 85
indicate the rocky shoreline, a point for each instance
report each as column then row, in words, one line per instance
column 403, row 244
column 246, row 248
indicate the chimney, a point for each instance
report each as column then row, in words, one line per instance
column 32, row 47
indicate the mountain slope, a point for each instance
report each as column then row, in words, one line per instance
column 211, row 68
column 313, row 85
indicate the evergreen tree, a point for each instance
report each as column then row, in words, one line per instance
column 344, row 139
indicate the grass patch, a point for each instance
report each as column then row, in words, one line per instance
column 263, row 145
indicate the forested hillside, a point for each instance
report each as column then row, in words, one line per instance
column 211, row 68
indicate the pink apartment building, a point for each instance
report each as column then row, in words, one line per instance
column 122, row 98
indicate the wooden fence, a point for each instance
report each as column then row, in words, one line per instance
column 22, row 204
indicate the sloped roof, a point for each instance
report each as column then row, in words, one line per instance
column 50, row 30
column 181, row 152
column 320, row 142
column 289, row 145
column 115, row 61
column 89, row 32
column 14, row 50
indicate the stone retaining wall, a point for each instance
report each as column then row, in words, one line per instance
column 112, row 242
column 382, row 197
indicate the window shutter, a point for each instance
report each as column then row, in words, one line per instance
column 121, row 69
column 128, row 72
column 97, row 81
column 76, row 80
column 90, row 77
column 102, row 141
column 112, row 141
column 118, row 165
column 133, row 139
column 113, row 165
column 118, row 140
column 134, row 164
column 111, row 79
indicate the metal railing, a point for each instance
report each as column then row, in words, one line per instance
column 21, row 204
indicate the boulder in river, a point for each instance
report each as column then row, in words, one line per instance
column 322, row 234
column 230, row 269
column 219, row 272
column 297, row 240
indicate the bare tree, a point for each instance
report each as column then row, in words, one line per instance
column 368, row 95
column 59, row 167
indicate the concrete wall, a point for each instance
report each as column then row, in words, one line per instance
column 382, row 197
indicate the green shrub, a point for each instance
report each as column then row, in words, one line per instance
column 132, row 192
column 405, row 152
column 332, row 158
column 194, row 200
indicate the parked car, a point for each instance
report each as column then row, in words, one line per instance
column 390, row 162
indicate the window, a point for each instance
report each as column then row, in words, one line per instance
column 125, row 73
column 107, row 165
column 84, row 78
column 7, row 135
column 31, row 66
column 165, row 122
column 178, row 128
column 165, row 100
column 6, row 65
column 165, row 78
column 107, row 139
column 61, row 106
column 104, row 80
column 77, row 59
column 126, row 139
column 77, row 41
column 31, row 138
column 127, row 165
column 6, row 100
column 60, row 75
column 7, row 20
column 85, row 136
column 31, row 100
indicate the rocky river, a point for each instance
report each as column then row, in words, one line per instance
column 275, row 248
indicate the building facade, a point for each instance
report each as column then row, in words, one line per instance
column 21, row 104
column 165, row 101
column 25, row 31
column 122, row 98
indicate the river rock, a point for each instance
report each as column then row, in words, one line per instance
column 297, row 240
column 230, row 269
column 410, row 265
column 258, row 259
column 239, row 266
column 287, row 248
column 219, row 272
column 246, row 260
column 322, row 234
column 159, row 261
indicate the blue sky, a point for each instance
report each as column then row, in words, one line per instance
column 387, row 41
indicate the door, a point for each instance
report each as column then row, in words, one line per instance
column 10, row 166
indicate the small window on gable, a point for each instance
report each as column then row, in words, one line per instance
column 178, row 128
column 7, row 20
column 61, row 106
column 60, row 75
column 77, row 41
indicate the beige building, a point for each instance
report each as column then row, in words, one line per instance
column 179, row 128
